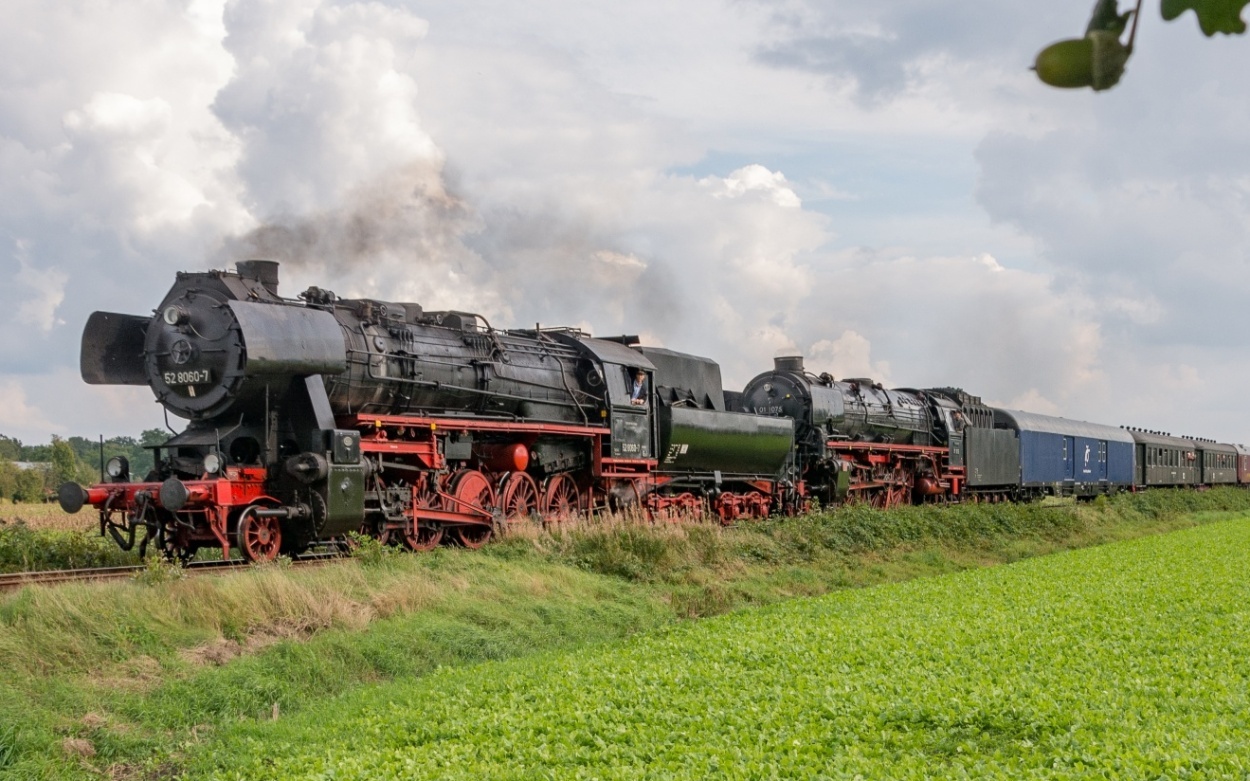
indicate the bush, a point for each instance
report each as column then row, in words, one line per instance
column 23, row 549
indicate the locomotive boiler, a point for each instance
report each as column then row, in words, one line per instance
column 314, row 417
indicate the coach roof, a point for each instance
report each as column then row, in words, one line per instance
column 1031, row 421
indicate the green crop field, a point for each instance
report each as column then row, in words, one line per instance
column 1123, row 661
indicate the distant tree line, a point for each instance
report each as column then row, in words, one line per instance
column 75, row 458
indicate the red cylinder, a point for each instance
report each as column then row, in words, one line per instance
column 514, row 457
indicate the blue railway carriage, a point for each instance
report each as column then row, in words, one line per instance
column 1217, row 461
column 1165, row 460
column 1065, row 457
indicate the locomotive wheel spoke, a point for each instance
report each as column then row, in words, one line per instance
column 472, row 489
column 259, row 538
column 423, row 538
column 520, row 497
column 420, row 536
column 472, row 537
column 561, row 501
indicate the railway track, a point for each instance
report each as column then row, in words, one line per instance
column 15, row 580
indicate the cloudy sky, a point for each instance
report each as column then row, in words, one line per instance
column 882, row 187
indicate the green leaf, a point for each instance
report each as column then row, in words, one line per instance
column 1214, row 16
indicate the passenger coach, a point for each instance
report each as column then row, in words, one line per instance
column 1218, row 462
column 1164, row 460
column 1243, row 464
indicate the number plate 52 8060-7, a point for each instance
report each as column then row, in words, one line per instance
column 188, row 377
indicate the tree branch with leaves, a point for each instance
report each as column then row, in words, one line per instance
column 1097, row 59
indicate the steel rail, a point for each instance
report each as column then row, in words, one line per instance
column 15, row 580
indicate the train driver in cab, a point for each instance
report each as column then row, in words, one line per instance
column 638, row 389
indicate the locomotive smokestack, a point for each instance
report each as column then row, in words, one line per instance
column 788, row 363
column 263, row 271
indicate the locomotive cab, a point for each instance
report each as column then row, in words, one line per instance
column 611, row 368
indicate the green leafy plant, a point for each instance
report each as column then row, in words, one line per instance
column 369, row 551
column 159, row 572
column 1097, row 59
column 25, row 549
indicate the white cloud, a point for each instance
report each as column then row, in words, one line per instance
column 754, row 179
column 20, row 419
column 885, row 184
column 42, row 291
column 1033, row 401
column 850, row 355
column 322, row 98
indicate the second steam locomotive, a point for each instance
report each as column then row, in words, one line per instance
column 312, row 417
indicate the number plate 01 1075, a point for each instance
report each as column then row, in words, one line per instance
column 188, row 377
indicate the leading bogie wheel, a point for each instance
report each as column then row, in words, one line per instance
column 259, row 539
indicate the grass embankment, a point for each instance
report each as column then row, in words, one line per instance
column 126, row 679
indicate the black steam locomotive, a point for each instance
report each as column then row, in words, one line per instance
column 313, row 417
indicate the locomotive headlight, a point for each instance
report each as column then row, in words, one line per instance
column 174, row 315
column 118, row 469
column 212, row 463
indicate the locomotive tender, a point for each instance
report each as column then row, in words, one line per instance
column 313, row 417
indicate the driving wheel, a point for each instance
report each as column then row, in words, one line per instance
column 471, row 490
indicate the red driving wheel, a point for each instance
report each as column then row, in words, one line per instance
column 420, row 536
column 471, row 489
column 561, row 501
column 519, row 495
